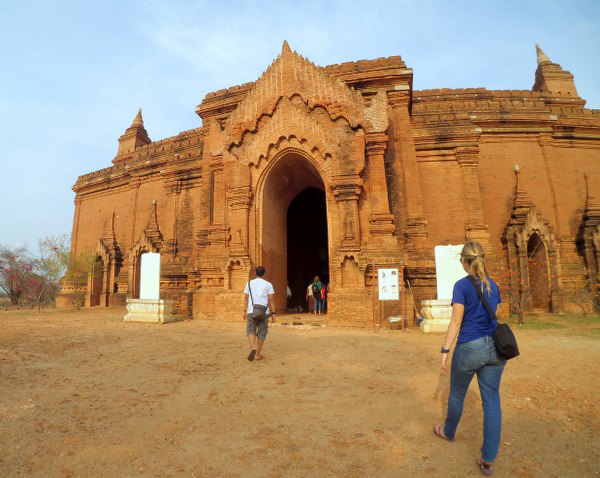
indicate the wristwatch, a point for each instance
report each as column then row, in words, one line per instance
column 444, row 351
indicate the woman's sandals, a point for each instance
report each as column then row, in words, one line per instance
column 485, row 468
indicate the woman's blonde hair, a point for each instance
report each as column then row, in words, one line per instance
column 474, row 255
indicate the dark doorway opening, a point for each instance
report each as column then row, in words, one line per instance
column 138, row 275
column 97, row 278
column 307, row 251
column 537, row 262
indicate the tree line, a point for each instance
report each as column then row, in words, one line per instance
column 35, row 280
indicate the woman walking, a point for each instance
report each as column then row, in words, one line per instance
column 474, row 354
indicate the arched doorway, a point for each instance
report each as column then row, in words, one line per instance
column 97, row 276
column 307, row 251
column 293, row 225
column 537, row 265
column 137, row 275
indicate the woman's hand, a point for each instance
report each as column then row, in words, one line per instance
column 444, row 360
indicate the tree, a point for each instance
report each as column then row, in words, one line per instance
column 78, row 270
column 514, row 292
column 580, row 296
column 15, row 265
column 38, row 289
column 61, row 266
column 39, row 279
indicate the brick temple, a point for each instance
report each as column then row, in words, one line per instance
column 339, row 170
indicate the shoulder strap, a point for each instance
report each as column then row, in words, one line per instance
column 482, row 297
column 250, row 289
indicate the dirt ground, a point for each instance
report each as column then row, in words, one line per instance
column 84, row 394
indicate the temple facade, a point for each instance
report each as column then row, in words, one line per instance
column 340, row 170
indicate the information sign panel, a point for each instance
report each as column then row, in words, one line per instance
column 388, row 284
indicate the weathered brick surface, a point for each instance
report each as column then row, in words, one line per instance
column 401, row 170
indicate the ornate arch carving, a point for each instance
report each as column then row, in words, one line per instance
column 533, row 223
column 143, row 244
column 526, row 220
column 309, row 130
column 291, row 74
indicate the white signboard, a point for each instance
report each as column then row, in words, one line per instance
column 150, row 276
column 388, row 284
column 448, row 270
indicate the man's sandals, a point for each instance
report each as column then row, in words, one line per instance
column 252, row 355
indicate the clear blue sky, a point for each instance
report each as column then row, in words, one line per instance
column 74, row 72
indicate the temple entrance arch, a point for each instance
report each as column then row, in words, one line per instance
column 539, row 280
column 293, row 202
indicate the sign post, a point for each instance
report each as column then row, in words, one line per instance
column 391, row 286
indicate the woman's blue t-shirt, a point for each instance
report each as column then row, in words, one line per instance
column 476, row 320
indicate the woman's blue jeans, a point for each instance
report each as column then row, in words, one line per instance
column 477, row 357
column 318, row 305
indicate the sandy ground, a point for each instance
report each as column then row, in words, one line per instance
column 85, row 394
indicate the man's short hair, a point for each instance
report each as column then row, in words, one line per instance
column 260, row 271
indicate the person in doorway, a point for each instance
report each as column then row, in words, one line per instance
column 474, row 354
column 324, row 291
column 288, row 297
column 258, row 292
column 315, row 288
column 310, row 302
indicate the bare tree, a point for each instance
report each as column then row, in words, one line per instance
column 580, row 296
column 15, row 265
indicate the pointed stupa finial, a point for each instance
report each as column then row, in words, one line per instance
column 541, row 56
column 134, row 136
column 138, row 120
column 521, row 199
column 286, row 47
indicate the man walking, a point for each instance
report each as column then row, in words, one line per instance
column 259, row 293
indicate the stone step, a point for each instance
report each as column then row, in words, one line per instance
column 299, row 318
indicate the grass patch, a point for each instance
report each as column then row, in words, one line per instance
column 580, row 319
column 535, row 323
column 572, row 324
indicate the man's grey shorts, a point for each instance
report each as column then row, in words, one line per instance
column 260, row 329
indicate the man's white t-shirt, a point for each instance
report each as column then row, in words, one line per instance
column 260, row 293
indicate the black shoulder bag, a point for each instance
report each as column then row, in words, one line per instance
column 259, row 312
column 504, row 338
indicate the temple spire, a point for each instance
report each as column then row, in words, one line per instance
column 541, row 56
column 285, row 47
column 138, row 120
column 134, row 137
column 552, row 79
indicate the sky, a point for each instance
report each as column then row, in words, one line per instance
column 75, row 72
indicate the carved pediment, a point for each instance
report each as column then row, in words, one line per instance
column 107, row 245
column 289, row 75
column 292, row 120
column 151, row 239
column 522, row 226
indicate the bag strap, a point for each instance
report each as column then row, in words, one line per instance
column 482, row 297
column 250, row 289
